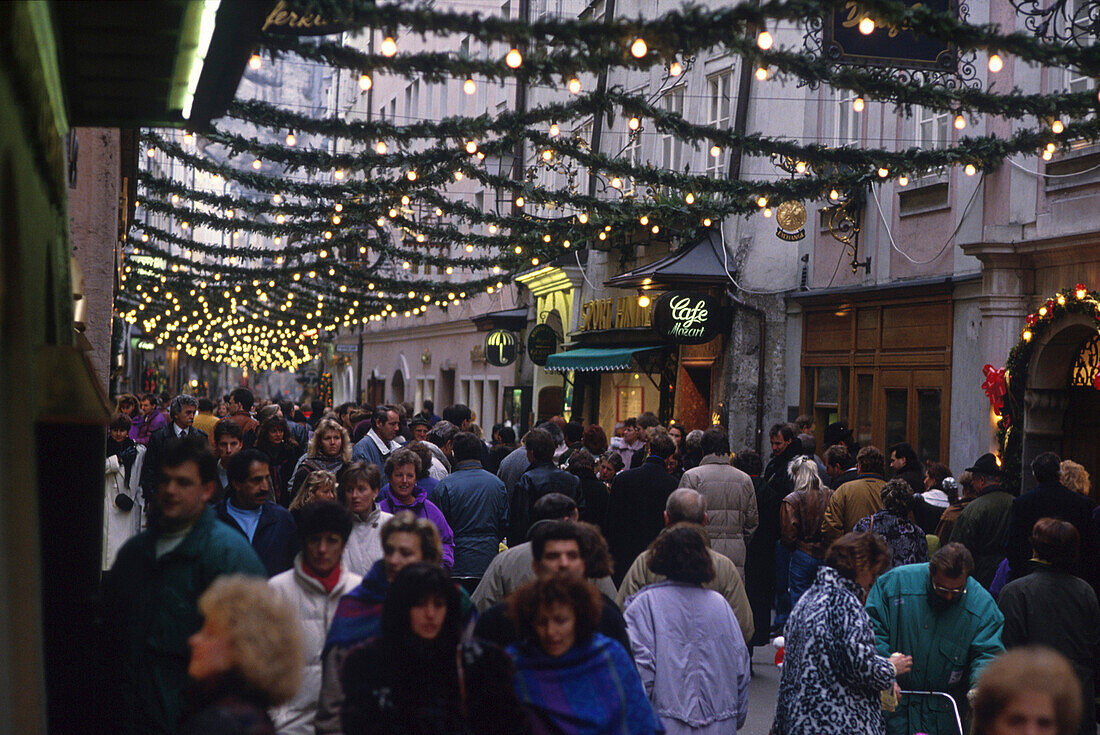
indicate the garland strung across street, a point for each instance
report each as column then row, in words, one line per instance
column 349, row 221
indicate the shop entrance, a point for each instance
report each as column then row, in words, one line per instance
column 694, row 409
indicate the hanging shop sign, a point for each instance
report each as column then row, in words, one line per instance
column 791, row 218
column 620, row 313
column 686, row 317
column 286, row 18
column 846, row 42
column 347, row 347
column 501, row 346
column 542, row 341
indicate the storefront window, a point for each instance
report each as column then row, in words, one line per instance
column 928, row 425
column 829, row 388
column 865, row 398
column 630, row 403
column 897, row 412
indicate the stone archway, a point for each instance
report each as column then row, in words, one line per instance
column 1048, row 425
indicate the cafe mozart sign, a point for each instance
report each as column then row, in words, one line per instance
column 686, row 317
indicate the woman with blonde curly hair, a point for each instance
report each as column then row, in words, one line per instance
column 319, row 485
column 1075, row 477
column 246, row 658
column 329, row 450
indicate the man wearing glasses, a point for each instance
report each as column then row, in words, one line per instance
column 938, row 614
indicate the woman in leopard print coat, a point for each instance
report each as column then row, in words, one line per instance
column 832, row 676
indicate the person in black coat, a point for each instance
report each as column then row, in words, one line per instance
column 905, row 464
column 636, row 507
column 541, row 477
column 1051, row 607
column 250, row 509
column 778, row 484
column 760, row 554
column 182, row 410
column 593, row 490
column 1049, row 499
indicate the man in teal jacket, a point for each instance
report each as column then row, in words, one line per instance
column 151, row 594
column 948, row 623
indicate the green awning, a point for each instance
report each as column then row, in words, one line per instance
column 604, row 359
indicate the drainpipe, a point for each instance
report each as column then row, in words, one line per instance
column 759, row 314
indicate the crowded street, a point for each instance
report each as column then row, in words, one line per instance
column 549, row 367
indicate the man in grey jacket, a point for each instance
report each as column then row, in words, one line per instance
column 731, row 499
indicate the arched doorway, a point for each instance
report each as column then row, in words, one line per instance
column 397, row 387
column 1061, row 406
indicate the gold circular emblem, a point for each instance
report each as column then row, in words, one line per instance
column 791, row 216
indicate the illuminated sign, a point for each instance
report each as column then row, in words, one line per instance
column 501, row 347
column 542, row 342
column 620, row 313
column 686, row 317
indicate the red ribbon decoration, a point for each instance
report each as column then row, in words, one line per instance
column 996, row 387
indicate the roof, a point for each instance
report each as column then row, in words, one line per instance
column 514, row 319
column 699, row 263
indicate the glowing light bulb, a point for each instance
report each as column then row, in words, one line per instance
column 761, row 74
column 675, row 69
column 514, row 59
column 633, row 123
column 655, row 229
column 458, row 175
column 471, row 147
column 834, row 195
column 643, row 301
column 381, row 148
column 762, row 202
column 858, row 104
column 866, row 26
column 800, row 167
column 706, row 222
column 411, row 176
column 1047, row 155
column 469, row 86
column 616, row 182
column 582, row 218
column 575, row 85
column 547, row 155
column 643, row 220
column 903, row 181
column 764, row 40
column 690, row 198
column 767, row 211
column 883, row 173
column 960, row 122
column 365, row 82
column 257, row 164
column 1057, row 127
column 638, row 49
column 290, row 139
column 389, row 46
column 519, row 202
column 970, row 170
column 996, row 63
column 255, row 62
column 554, row 130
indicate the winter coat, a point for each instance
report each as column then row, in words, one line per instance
column 913, row 475
column 692, row 657
column 383, row 701
column 120, row 526
column 307, row 464
column 732, row 515
column 801, row 517
column 475, row 505
column 760, row 563
column 727, row 582
column 151, row 609
column 1049, row 501
column 1051, row 607
column 907, row 542
column 948, row 518
column 369, row 449
column 538, row 480
column 276, row 536
column 635, row 511
column 511, row 468
column 284, row 459
column 850, row 503
column 950, row 643
column 226, row 706
column 364, row 546
column 421, row 507
column 595, row 494
column 315, row 608
column 144, row 426
column 983, row 529
column 832, row 675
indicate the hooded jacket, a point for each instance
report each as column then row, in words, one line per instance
column 421, row 507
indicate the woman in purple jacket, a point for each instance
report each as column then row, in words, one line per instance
column 402, row 469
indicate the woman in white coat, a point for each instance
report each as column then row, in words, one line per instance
column 687, row 644
column 314, row 587
column 122, row 506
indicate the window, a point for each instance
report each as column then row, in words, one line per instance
column 720, row 87
column 671, row 149
column 933, row 128
column 847, row 120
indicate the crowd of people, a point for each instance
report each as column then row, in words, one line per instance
column 422, row 579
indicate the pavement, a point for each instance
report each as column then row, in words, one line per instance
column 762, row 692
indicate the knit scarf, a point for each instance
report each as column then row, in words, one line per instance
column 592, row 688
column 359, row 612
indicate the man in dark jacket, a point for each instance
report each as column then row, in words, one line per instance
column 150, row 596
column 1051, row 607
column 249, row 508
column 636, row 508
column 778, row 485
column 541, row 477
column 475, row 504
column 840, row 466
column 1049, row 499
column 983, row 526
column 182, row 410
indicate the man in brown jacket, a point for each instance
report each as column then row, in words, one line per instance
column 857, row 498
column 731, row 498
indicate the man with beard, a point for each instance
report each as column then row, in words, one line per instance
column 942, row 617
